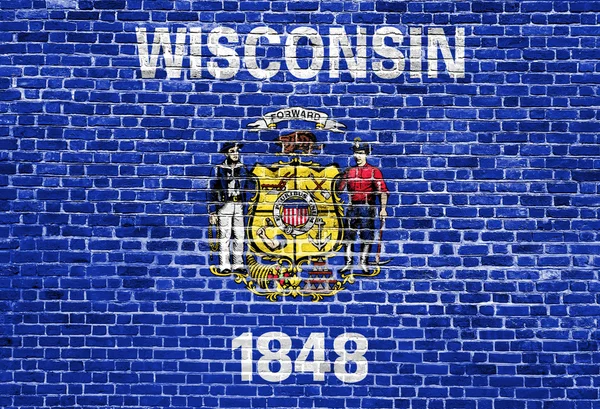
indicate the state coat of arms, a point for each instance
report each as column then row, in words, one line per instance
column 288, row 218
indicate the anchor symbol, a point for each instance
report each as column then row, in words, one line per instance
column 319, row 242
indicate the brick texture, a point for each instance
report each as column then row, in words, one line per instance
column 492, row 298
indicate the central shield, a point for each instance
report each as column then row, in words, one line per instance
column 296, row 214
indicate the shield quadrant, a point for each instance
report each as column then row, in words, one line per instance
column 296, row 213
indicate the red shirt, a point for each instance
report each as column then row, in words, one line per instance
column 364, row 184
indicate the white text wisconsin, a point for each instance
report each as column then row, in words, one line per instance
column 303, row 52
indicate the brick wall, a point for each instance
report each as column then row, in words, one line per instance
column 491, row 299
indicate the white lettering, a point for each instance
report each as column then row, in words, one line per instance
column 250, row 52
column 280, row 356
column 196, row 52
column 162, row 39
column 275, row 365
column 316, row 344
column 437, row 39
column 357, row 356
column 291, row 57
column 226, row 53
column 303, row 50
column 356, row 65
column 416, row 53
column 391, row 53
column 148, row 64
column 244, row 342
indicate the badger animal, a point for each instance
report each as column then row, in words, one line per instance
column 302, row 142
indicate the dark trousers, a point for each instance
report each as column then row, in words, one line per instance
column 360, row 224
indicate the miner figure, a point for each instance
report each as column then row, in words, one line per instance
column 364, row 184
column 228, row 188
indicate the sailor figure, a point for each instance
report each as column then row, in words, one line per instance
column 228, row 187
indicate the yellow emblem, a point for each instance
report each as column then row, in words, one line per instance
column 293, row 229
column 297, row 202
column 295, row 224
